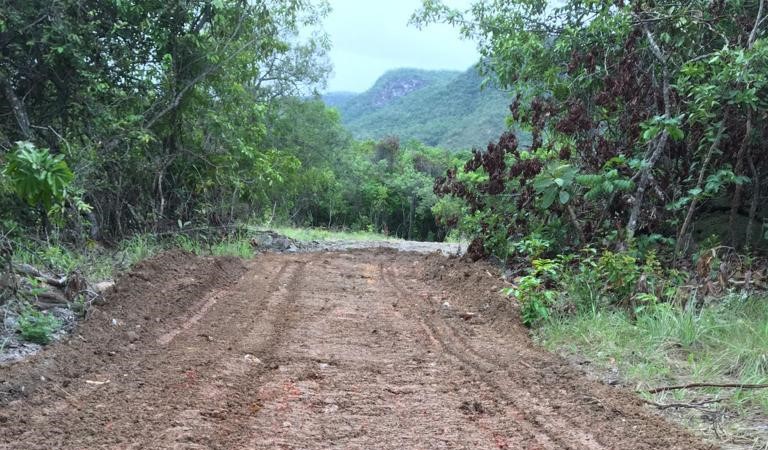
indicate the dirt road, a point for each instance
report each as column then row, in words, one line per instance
column 347, row 350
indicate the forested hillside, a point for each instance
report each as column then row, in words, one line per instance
column 444, row 109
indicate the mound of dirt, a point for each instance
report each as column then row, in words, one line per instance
column 143, row 304
column 474, row 290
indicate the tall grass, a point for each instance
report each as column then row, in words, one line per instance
column 726, row 342
column 238, row 247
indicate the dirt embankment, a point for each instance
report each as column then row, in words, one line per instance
column 369, row 349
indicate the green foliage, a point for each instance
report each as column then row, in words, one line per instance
column 606, row 182
column 555, row 182
column 628, row 280
column 653, row 128
column 38, row 177
column 645, row 154
column 36, row 326
column 381, row 186
column 532, row 246
column 621, row 272
column 590, row 281
column 160, row 109
column 534, row 291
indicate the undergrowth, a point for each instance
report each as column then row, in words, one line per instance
column 721, row 343
column 627, row 312
column 36, row 326
column 96, row 262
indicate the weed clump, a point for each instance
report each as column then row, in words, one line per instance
column 36, row 326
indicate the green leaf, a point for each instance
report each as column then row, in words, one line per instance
column 542, row 184
column 564, row 197
column 676, row 133
column 548, row 198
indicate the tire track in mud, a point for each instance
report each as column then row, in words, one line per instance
column 207, row 303
column 528, row 434
column 381, row 373
column 546, row 435
column 229, row 390
column 577, row 411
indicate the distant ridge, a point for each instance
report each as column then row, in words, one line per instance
column 439, row 108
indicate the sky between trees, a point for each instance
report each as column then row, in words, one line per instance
column 372, row 36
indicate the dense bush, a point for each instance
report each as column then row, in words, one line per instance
column 158, row 108
column 644, row 117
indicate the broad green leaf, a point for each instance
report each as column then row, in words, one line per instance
column 548, row 198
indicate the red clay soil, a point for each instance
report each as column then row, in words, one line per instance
column 350, row 350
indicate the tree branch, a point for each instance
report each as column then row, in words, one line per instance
column 753, row 34
column 694, row 405
column 706, row 385
column 646, row 172
column 204, row 74
column 699, row 182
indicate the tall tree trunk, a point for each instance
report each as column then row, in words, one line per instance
column 19, row 111
column 575, row 223
column 740, row 157
column 755, row 200
column 699, row 182
column 410, row 218
column 738, row 189
column 642, row 185
column 646, row 173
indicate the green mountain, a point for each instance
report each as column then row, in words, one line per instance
column 336, row 99
column 439, row 108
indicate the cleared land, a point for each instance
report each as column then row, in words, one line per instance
column 363, row 349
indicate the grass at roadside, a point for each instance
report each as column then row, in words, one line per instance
column 321, row 234
column 723, row 343
column 98, row 263
column 93, row 261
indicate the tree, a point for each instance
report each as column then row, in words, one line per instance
column 159, row 106
column 648, row 103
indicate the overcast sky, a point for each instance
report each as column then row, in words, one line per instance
column 370, row 37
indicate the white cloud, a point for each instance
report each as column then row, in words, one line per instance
column 372, row 36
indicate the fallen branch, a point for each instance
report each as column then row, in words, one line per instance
column 26, row 269
column 706, row 385
column 695, row 405
column 53, row 297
